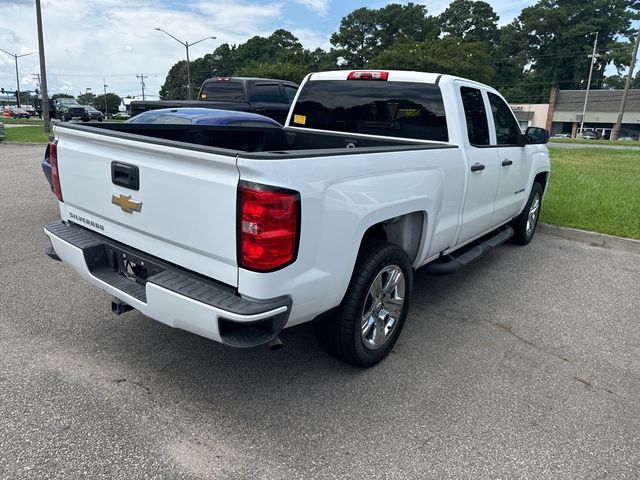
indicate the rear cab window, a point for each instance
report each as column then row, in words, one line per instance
column 394, row 109
column 223, row 90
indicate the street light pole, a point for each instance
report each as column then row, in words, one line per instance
column 15, row 58
column 186, row 45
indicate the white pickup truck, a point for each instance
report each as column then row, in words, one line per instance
column 235, row 233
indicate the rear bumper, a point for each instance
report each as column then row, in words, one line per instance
column 171, row 295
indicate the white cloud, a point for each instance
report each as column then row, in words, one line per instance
column 86, row 41
column 321, row 7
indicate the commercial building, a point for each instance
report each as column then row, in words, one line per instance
column 531, row 114
column 566, row 106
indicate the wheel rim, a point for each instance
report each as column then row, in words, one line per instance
column 382, row 307
column 533, row 214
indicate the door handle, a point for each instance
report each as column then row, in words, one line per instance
column 476, row 167
column 506, row 163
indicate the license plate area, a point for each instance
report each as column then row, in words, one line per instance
column 133, row 267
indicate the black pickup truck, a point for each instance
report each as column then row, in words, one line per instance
column 265, row 96
column 67, row 109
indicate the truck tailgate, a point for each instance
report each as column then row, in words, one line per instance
column 187, row 198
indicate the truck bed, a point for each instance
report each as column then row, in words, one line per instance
column 255, row 142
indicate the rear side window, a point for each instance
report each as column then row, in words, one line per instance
column 475, row 116
column 223, row 90
column 507, row 129
column 393, row 109
column 267, row 94
column 290, row 92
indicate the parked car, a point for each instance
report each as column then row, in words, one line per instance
column 122, row 115
column 30, row 110
column 266, row 96
column 590, row 135
column 202, row 116
column 94, row 113
column 19, row 113
column 561, row 135
column 374, row 175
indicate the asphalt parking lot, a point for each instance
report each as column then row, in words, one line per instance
column 524, row 365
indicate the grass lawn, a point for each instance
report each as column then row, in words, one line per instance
column 28, row 134
column 594, row 189
column 21, row 121
column 603, row 143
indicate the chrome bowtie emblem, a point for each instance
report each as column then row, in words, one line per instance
column 125, row 203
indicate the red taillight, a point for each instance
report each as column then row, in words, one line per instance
column 370, row 75
column 55, row 175
column 269, row 223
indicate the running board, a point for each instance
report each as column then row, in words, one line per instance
column 456, row 260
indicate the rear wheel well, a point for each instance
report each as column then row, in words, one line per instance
column 404, row 231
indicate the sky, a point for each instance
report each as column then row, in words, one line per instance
column 86, row 41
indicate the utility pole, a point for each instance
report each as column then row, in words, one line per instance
column 104, row 84
column 43, row 71
column 142, row 76
column 586, row 96
column 616, row 128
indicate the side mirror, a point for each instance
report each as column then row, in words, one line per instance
column 537, row 135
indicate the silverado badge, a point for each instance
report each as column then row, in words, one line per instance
column 125, row 203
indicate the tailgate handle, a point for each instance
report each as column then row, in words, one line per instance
column 125, row 175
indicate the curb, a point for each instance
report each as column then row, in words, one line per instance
column 592, row 238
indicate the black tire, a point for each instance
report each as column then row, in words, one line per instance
column 523, row 231
column 341, row 333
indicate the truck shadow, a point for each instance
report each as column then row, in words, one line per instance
column 172, row 363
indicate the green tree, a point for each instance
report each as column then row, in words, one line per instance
column 472, row 21
column 558, row 37
column 61, row 95
column 87, row 98
column 280, row 55
column 441, row 55
column 175, row 85
column 293, row 72
column 366, row 33
column 617, row 82
column 113, row 102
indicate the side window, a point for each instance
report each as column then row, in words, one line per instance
column 269, row 93
column 507, row 129
column 290, row 92
column 475, row 115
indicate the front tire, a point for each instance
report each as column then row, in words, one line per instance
column 525, row 224
column 373, row 311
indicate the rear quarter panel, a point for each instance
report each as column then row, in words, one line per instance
column 341, row 197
